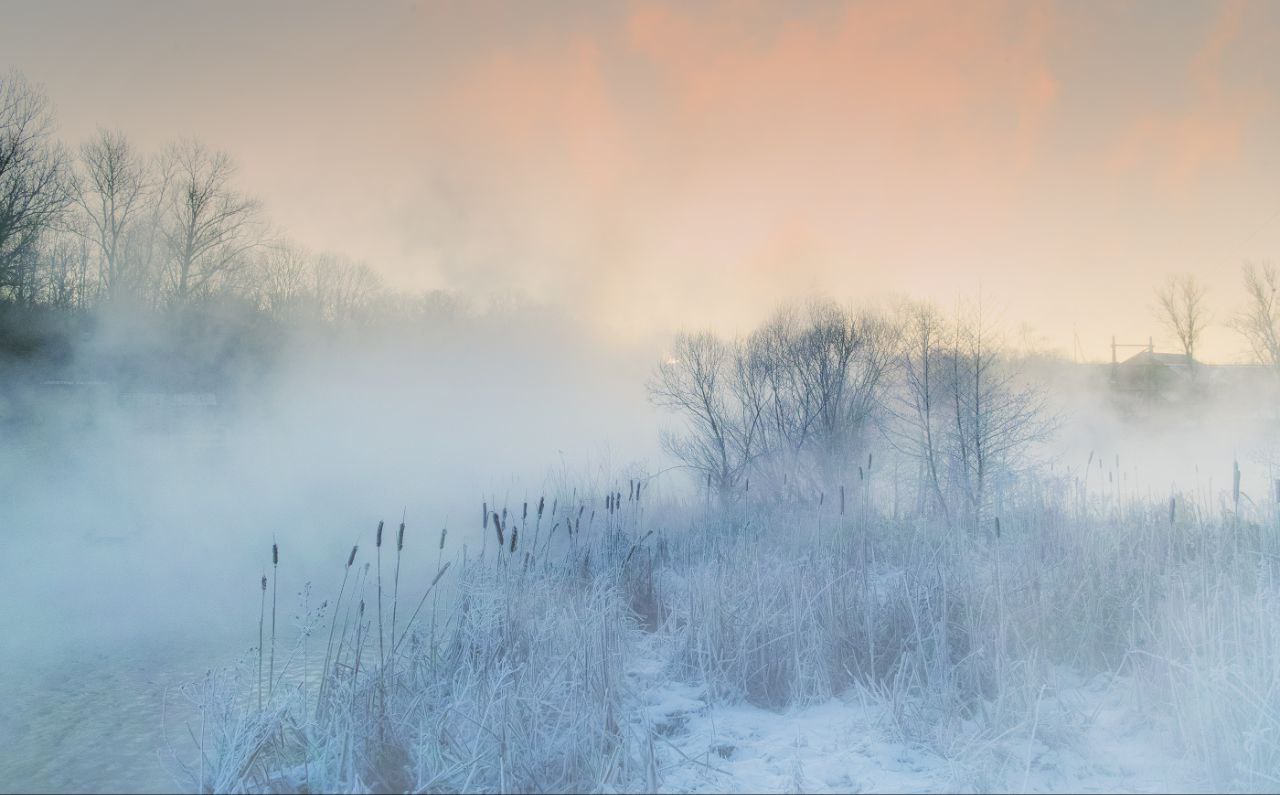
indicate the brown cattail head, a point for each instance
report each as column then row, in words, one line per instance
column 997, row 527
column 821, row 497
column 515, row 533
column 868, row 462
column 264, row 581
column 352, row 557
column 1173, row 508
column 1235, row 481
column 748, row 487
column 842, row 500
column 378, row 540
column 497, row 526
column 542, row 503
column 485, row 514
column 275, row 554
column 861, row 476
column 400, row 538
column 555, row 504
column 444, row 531
column 524, row 513
column 362, row 607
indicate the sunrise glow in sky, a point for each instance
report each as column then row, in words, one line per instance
column 657, row 165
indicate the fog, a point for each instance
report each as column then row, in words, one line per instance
column 140, row 515
column 679, row 357
column 142, row 498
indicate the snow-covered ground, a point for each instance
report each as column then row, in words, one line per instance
column 1088, row 737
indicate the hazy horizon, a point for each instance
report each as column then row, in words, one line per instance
column 655, row 166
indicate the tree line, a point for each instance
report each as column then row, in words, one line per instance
column 798, row 406
column 106, row 223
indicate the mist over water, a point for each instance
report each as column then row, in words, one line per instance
column 682, row 349
column 139, row 519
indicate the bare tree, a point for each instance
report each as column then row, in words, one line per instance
column 283, row 280
column 66, row 259
column 920, row 406
column 208, row 227
column 1259, row 321
column 994, row 413
column 1180, row 306
column 34, row 188
column 822, row 370
column 112, row 190
column 343, row 289
column 695, row 380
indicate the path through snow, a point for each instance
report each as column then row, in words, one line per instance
column 1089, row 738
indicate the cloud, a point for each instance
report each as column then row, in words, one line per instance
column 690, row 144
column 1207, row 130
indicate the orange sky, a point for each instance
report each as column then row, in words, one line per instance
column 659, row 165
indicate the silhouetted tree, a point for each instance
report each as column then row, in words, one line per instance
column 34, row 185
column 1180, row 306
column 208, row 227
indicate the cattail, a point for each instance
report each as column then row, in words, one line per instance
column 1173, row 508
column 842, row 500
column 352, row 557
column 421, row 602
column 497, row 526
column 515, row 533
column 869, row 462
column 504, row 514
column 382, row 648
column 821, row 497
column 524, row 514
column 861, row 477
column 631, row 490
column 608, row 503
column 555, row 504
column 275, row 588
column 485, row 507
column 638, row 485
column 261, row 611
column 444, row 531
column 1235, row 482
column 542, row 501
column 997, row 527
column 395, row 587
column 748, row 485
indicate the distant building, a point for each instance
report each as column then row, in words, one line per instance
column 1155, row 377
column 1149, row 381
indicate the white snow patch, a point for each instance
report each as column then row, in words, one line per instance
column 1090, row 737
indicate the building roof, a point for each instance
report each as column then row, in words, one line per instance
column 1151, row 358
